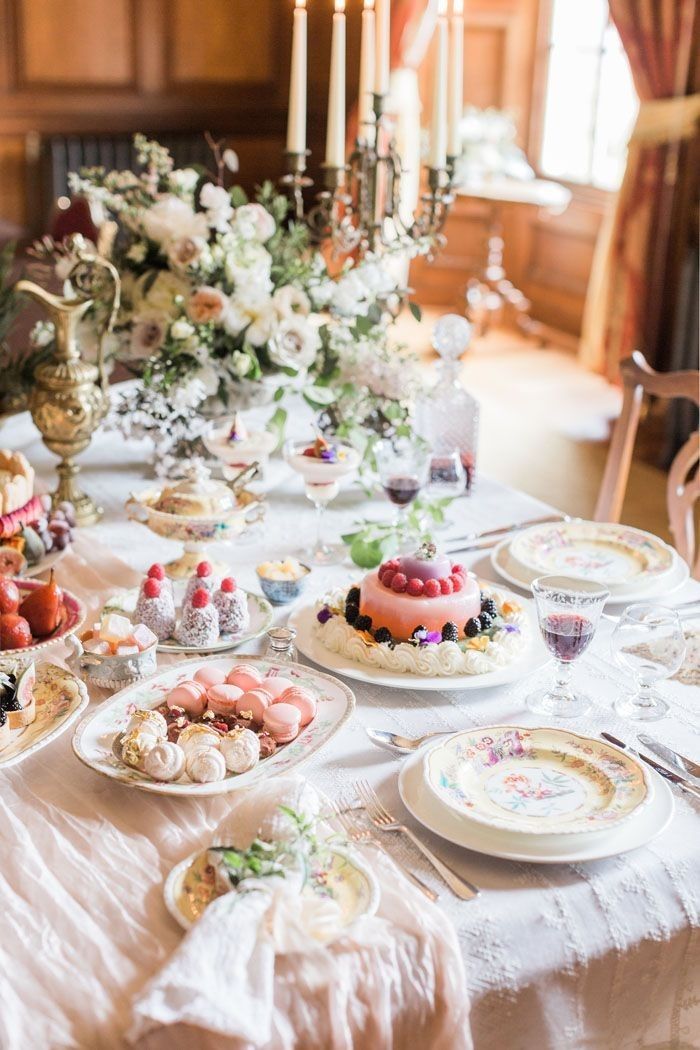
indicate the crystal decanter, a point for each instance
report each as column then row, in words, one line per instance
column 447, row 415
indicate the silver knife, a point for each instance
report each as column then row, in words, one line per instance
column 664, row 771
column 678, row 762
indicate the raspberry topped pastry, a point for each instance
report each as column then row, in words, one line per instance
column 155, row 608
column 232, row 605
column 199, row 626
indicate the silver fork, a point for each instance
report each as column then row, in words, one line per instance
column 383, row 821
column 356, row 833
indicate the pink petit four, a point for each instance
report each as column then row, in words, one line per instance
column 304, row 702
column 282, row 722
column 275, row 685
column 256, row 701
column 209, row 676
column 245, row 676
column 143, row 636
column 222, row 699
column 203, row 579
column 232, row 605
column 155, row 608
column 97, row 646
column 126, row 650
column 190, row 696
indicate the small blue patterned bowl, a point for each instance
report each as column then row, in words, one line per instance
column 280, row 592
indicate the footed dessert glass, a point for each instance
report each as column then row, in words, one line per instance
column 568, row 611
column 648, row 641
column 322, row 464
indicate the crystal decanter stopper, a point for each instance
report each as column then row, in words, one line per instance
column 447, row 415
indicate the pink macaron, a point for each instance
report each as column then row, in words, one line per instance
column 255, row 702
column 245, row 676
column 222, row 698
column 300, row 698
column 275, row 685
column 190, row 696
column 282, row 722
column 209, row 676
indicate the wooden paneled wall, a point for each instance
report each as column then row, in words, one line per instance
column 114, row 66
column 549, row 257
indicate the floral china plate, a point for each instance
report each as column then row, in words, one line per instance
column 94, row 737
column 59, row 697
column 343, row 877
column 607, row 553
column 72, row 616
column 260, row 610
column 535, row 781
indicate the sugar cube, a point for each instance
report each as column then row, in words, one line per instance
column 142, row 636
column 115, row 628
column 97, row 646
column 126, row 650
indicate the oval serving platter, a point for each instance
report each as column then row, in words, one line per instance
column 94, row 737
column 59, row 698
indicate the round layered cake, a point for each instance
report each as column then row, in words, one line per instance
column 424, row 590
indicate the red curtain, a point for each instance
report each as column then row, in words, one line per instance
column 628, row 304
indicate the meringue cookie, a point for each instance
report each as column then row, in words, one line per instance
column 150, row 721
column 205, row 764
column 241, row 750
column 165, row 761
column 136, row 745
column 198, row 735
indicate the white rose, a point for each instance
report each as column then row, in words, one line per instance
column 181, row 329
column 173, row 219
column 290, row 300
column 146, row 337
column 294, row 344
column 252, row 220
column 185, row 251
column 184, row 179
column 248, row 262
column 217, row 202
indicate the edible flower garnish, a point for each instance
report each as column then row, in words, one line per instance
column 238, row 431
column 427, row 637
column 324, row 615
column 322, row 449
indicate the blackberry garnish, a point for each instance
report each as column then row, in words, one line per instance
column 472, row 627
column 11, row 705
column 351, row 613
column 485, row 621
column 450, row 632
column 489, row 606
column 353, row 596
column 382, row 635
column 363, row 623
column 415, row 630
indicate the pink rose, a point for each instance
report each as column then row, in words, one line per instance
column 207, row 304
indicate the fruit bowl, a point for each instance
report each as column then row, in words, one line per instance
column 71, row 616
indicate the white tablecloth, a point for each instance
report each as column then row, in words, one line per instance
column 599, row 955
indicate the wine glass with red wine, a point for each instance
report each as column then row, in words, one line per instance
column 403, row 465
column 568, row 611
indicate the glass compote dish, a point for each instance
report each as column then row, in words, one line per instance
column 568, row 611
column 322, row 464
column 648, row 640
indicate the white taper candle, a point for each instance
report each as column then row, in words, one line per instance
column 335, row 129
column 367, row 62
column 438, row 126
column 456, row 79
column 296, row 119
column 381, row 68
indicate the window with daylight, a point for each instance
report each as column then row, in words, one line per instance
column 589, row 103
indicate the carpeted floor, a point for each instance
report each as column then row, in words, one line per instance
column 545, row 423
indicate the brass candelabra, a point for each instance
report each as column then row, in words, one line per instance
column 359, row 208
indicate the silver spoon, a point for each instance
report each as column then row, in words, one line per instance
column 401, row 744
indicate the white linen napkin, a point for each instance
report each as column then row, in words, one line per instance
column 270, row 969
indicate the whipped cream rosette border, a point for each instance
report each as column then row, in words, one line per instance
column 427, row 656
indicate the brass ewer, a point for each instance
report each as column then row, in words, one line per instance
column 69, row 398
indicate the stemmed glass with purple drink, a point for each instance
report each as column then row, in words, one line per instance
column 568, row 611
column 403, row 465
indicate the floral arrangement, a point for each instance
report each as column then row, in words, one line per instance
column 226, row 302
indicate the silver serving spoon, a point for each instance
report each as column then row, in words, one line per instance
column 403, row 745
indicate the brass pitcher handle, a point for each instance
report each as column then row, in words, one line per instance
column 84, row 255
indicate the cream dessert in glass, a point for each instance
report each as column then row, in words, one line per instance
column 322, row 465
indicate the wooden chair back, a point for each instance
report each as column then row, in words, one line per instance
column 683, row 486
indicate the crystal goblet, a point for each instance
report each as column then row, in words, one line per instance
column 648, row 640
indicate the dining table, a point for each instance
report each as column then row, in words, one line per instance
column 569, row 956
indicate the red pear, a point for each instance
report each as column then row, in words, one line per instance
column 9, row 596
column 15, row 632
column 42, row 608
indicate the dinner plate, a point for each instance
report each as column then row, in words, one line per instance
column 59, row 697
column 71, row 619
column 537, row 849
column 344, row 877
column 94, row 737
column 536, row 780
column 260, row 610
column 607, row 553
column 303, row 620
column 518, row 576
